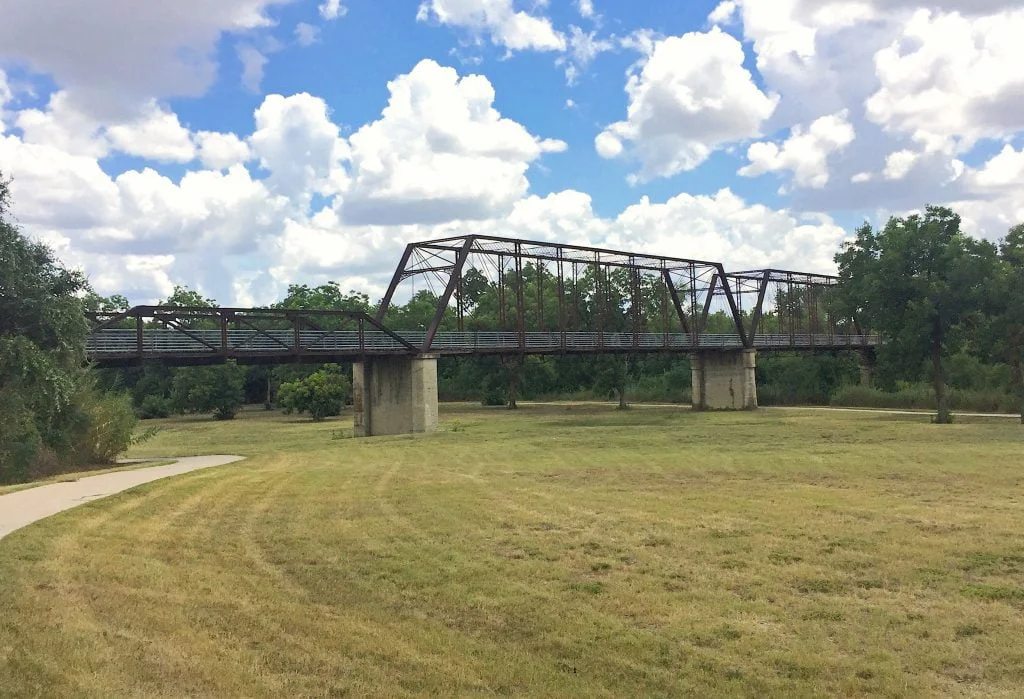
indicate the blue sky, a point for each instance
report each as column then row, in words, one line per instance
column 240, row 147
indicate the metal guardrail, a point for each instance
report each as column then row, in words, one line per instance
column 112, row 344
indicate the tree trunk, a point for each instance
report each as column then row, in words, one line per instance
column 1017, row 379
column 623, row 405
column 512, row 373
column 941, row 398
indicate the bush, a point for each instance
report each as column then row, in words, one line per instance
column 154, row 407
column 110, row 424
column 921, row 396
column 322, row 394
column 219, row 390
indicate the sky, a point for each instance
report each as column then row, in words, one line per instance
column 240, row 146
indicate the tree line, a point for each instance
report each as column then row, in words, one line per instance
column 950, row 309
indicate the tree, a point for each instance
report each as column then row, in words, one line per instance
column 611, row 376
column 1008, row 309
column 219, row 390
column 920, row 282
column 48, row 400
column 322, row 394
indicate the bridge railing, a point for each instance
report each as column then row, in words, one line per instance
column 125, row 343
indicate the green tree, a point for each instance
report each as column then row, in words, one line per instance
column 46, row 392
column 1007, row 328
column 219, row 390
column 322, row 394
column 920, row 282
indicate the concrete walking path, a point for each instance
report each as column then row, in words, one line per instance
column 21, row 508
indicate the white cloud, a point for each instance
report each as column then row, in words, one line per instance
column 724, row 13
column 516, row 31
column 584, row 47
column 1005, row 170
column 220, row 151
column 253, row 63
column 899, row 164
column 952, row 80
column 862, row 177
column 332, row 9
column 440, row 152
column 6, row 94
column 805, row 152
column 155, row 135
column 63, row 126
column 112, row 55
column 298, row 144
column 585, row 8
column 691, row 97
column 306, row 34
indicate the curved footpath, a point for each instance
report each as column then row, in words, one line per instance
column 24, row 507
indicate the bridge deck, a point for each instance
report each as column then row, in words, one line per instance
column 121, row 346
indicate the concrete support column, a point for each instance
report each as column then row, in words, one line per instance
column 394, row 395
column 724, row 379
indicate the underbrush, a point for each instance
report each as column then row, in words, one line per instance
column 921, row 396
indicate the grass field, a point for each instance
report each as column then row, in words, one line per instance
column 552, row 551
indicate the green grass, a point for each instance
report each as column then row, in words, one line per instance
column 552, row 551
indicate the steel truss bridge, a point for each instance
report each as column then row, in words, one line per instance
column 502, row 296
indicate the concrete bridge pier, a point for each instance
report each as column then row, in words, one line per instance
column 724, row 379
column 395, row 395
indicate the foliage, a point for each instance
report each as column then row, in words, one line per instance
column 322, row 394
column 42, row 352
column 108, row 428
column 921, row 396
column 155, row 407
column 920, row 282
column 219, row 390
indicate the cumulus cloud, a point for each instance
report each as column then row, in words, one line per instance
column 63, row 126
column 497, row 19
column 112, row 57
column 439, row 152
column 691, row 97
column 951, row 80
column 219, row 151
column 299, row 146
column 805, row 153
column 155, row 135
column 898, row 164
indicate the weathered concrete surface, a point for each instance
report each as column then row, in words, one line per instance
column 24, row 507
column 724, row 380
column 395, row 395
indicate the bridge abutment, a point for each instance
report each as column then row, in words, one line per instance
column 395, row 395
column 724, row 379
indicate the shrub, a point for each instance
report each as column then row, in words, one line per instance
column 219, row 390
column 110, row 424
column 920, row 396
column 154, row 407
column 322, row 394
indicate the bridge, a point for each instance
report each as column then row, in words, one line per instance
column 489, row 295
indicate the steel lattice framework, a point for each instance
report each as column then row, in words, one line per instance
column 501, row 296
column 637, row 294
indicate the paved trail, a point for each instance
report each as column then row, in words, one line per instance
column 24, row 507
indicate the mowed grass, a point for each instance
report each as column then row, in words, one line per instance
column 553, row 551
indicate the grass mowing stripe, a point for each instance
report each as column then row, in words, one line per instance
column 549, row 551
